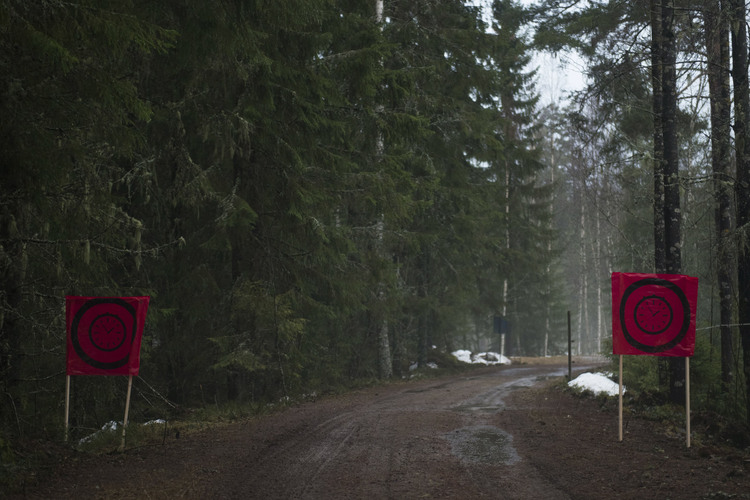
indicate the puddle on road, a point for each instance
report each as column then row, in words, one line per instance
column 478, row 408
column 493, row 401
column 483, row 444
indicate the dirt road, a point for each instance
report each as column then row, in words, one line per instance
column 496, row 433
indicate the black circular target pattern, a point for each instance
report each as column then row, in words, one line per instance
column 107, row 332
column 654, row 314
column 103, row 331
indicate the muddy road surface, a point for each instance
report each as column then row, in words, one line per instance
column 503, row 432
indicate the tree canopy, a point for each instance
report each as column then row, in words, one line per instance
column 286, row 180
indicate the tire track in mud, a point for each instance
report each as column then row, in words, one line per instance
column 439, row 438
column 435, row 438
column 367, row 448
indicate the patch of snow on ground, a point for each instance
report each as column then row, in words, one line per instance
column 157, row 421
column 430, row 364
column 108, row 427
column 112, row 426
column 485, row 358
column 597, row 383
column 462, row 355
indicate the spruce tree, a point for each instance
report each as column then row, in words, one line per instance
column 70, row 135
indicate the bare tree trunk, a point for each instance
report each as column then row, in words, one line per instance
column 384, row 350
column 598, row 275
column 385, row 363
column 507, row 249
column 660, row 259
column 547, row 325
column 672, row 214
column 742, row 183
column 384, row 347
column 660, row 246
column 599, row 302
column 583, row 310
column 717, row 49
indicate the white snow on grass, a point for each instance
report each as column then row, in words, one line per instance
column 109, row 427
column 430, row 364
column 598, row 383
column 112, row 426
column 485, row 358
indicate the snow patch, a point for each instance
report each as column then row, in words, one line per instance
column 485, row 358
column 112, row 426
column 108, row 427
column 598, row 383
column 429, row 364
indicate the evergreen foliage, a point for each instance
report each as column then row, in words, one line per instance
column 283, row 178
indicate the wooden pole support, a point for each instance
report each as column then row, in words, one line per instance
column 67, row 405
column 620, row 398
column 127, row 409
column 687, row 401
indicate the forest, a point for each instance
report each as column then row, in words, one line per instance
column 320, row 193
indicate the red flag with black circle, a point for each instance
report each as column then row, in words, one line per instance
column 654, row 314
column 104, row 334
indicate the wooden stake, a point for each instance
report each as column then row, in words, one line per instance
column 620, row 410
column 687, row 400
column 127, row 409
column 67, row 404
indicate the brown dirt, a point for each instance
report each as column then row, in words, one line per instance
column 501, row 432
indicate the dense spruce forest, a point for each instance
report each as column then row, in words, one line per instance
column 320, row 193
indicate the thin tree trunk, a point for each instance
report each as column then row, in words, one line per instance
column 599, row 297
column 547, row 325
column 717, row 45
column 598, row 275
column 583, row 311
column 660, row 258
column 507, row 249
column 384, row 347
column 385, row 362
column 672, row 214
column 657, row 74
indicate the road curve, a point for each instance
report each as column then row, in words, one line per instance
column 451, row 437
column 437, row 439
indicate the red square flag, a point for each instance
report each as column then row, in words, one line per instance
column 104, row 334
column 654, row 314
